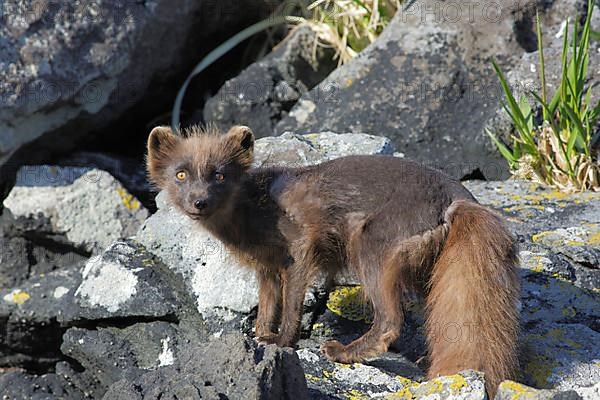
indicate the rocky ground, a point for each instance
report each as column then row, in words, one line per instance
column 112, row 304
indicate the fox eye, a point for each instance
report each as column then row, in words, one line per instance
column 181, row 175
column 219, row 177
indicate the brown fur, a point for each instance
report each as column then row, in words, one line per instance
column 400, row 226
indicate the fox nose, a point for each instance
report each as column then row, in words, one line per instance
column 200, row 204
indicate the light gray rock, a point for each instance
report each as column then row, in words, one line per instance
column 292, row 150
column 88, row 207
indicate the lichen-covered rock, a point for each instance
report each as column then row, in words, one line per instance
column 509, row 390
column 88, row 207
column 264, row 92
column 30, row 330
column 124, row 281
column 388, row 374
column 560, row 280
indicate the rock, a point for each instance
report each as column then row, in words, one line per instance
column 264, row 92
column 111, row 354
column 509, row 390
column 70, row 69
column 203, row 261
column 427, row 83
column 87, row 207
column 228, row 367
column 560, row 322
column 18, row 385
column 130, row 172
column 124, row 282
column 293, row 150
column 387, row 374
column 27, row 250
column 30, row 326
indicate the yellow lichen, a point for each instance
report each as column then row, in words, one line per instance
column 594, row 239
column 128, row 200
column 311, row 378
column 517, row 390
column 457, row 382
column 18, row 297
column 405, row 381
column 348, row 302
column 356, row 395
column 539, row 369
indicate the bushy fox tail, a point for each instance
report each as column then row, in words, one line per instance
column 472, row 317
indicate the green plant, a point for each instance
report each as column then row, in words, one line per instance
column 557, row 152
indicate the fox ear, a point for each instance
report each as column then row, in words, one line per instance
column 160, row 143
column 160, row 137
column 241, row 139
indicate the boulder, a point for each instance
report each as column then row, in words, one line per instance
column 264, row 92
column 87, row 207
column 427, row 83
column 70, row 69
column 228, row 367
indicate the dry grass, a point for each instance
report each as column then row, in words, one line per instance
column 348, row 26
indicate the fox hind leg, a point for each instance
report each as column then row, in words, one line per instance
column 388, row 317
column 382, row 286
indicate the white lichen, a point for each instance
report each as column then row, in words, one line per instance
column 106, row 284
column 166, row 357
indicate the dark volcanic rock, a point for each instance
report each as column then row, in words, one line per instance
column 263, row 93
column 427, row 82
column 20, row 386
column 69, row 68
column 231, row 367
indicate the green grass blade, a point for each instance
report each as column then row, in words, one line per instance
column 512, row 103
column 218, row 52
column 505, row 151
column 541, row 54
column 578, row 132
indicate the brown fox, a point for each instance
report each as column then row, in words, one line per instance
column 398, row 225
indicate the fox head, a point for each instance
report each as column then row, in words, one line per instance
column 200, row 170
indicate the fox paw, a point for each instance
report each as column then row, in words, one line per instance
column 333, row 350
column 269, row 338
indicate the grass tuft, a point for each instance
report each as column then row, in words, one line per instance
column 558, row 152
